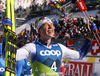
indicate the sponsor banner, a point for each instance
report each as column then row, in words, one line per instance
column 78, row 69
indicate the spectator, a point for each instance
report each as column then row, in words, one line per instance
column 58, row 28
column 80, row 24
column 96, row 16
column 33, row 31
column 63, row 30
column 81, row 19
column 96, row 21
column 55, row 24
column 32, row 38
column 71, row 34
column 85, row 32
column 61, row 22
column 66, row 35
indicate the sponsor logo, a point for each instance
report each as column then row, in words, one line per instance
column 2, row 69
column 48, row 53
column 55, row 45
column 42, row 74
column 28, row 63
column 53, row 73
column 82, row 5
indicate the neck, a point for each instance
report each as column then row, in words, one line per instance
column 46, row 40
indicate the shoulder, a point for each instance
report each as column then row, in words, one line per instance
column 30, row 44
column 30, row 47
column 61, row 45
column 27, row 48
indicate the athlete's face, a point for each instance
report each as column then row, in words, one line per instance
column 46, row 30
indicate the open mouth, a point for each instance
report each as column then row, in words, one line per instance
column 50, row 31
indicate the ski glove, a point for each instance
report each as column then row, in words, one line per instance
column 94, row 27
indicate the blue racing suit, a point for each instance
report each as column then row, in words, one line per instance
column 23, row 68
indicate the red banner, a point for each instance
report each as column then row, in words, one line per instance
column 81, row 5
column 70, row 44
column 78, row 69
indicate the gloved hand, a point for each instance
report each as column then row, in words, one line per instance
column 5, row 22
column 94, row 27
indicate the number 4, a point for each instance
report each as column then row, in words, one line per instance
column 54, row 66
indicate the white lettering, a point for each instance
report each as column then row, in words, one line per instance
column 73, row 66
column 88, row 69
column 53, row 73
column 54, row 66
column 65, row 71
column 2, row 69
column 48, row 53
column 42, row 74
column 77, row 70
column 81, row 5
column 36, row 69
column 28, row 63
column 82, row 69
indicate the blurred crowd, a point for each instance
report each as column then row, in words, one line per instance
column 64, row 29
column 54, row 7
column 74, row 28
column 33, row 7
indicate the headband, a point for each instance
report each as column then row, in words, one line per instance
column 42, row 21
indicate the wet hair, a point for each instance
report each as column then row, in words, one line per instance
column 20, row 44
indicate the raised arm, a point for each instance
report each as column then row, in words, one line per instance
column 73, row 54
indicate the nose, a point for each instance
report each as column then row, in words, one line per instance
column 51, row 25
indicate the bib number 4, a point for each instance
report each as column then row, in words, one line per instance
column 53, row 67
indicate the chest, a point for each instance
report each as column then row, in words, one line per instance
column 45, row 54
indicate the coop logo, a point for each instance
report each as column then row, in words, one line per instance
column 2, row 69
column 28, row 63
column 48, row 52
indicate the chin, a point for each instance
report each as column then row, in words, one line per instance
column 50, row 36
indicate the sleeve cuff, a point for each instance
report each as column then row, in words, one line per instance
column 90, row 39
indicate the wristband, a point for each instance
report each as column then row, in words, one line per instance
column 90, row 39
